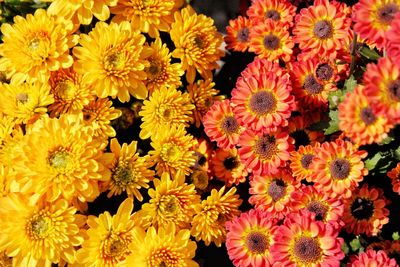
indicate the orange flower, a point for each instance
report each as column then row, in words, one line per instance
column 372, row 258
column 237, row 34
column 300, row 162
column 298, row 130
column 274, row 10
column 227, row 166
column 394, row 174
column 393, row 39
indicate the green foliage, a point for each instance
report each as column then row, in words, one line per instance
column 369, row 54
column 396, row 236
column 355, row 245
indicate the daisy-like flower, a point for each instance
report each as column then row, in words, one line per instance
column 301, row 241
column 38, row 232
column 300, row 161
column 197, row 43
column 202, row 95
column 161, row 73
column 221, row 126
column 298, row 130
column 25, row 102
column 365, row 211
column 165, row 107
column 34, row 46
column 272, row 193
column 393, row 40
column 394, row 175
column 108, row 238
column 321, row 29
column 200, row 179
column 173, row 151
column 165, row 247
column 70, row 95
column 264, row 153
column 274, row 10
column 372, row 258
column 203, row 151
column 359, row 121
column 227, row 167
column 264, row 101
column 171, row 201
column 262, row 66
column 238, row 34
column 10, row 143
column 382, row 87
column 7, row 181
column 129, row 171
column 60, row 159
column 149, row 16
column 209, row 222
column 250, row 237
column 82, row 11
column 271, row 40
column 372, row 19
column 338, row 168
column 112, row 58
column 97, row 116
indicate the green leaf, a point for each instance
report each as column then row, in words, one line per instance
column 350, row 84
column 335, row 98
column 355, row 244
column 345, row 248
column 370, row 54
column 333, row 123
column 396, row 236
column 319, row 126
column 371, row 162
column 386, row 140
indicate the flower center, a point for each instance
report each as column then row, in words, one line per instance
column 230, row 163
column 22, row 98
column 307, row 250
column 163, row 257
column 272, row 14
column 271, row 42
column 123, row 176
column 312, row 86
column 229, row 125
column 257, row 242
column 323, row 29
column 200, row 179
column 362, row 209
column 340, row 169
column 169, row 205
column 265, row 147
column 34, row 44
column 394, row 89
column 40, row 226
column 201, row 159
column 155, row 69
column 367, row 116
column 66, row 90
column 262, row 103
column 171, row 152
column 301, row 138
column 115, row 61
column 324, row 72
column 243, row 35
column 60, row 160
column 115, row 247
column 199, row 41
column 166, row 113
column 387, row 12
column 319, row 209
column 306, row 160
column 277, row 189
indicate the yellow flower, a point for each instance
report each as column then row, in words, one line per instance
column 112, row 58
column 7, row 181
column 10, row 147
column 165, row 247
column 38, row 233
column 129, row 171
column 209, row 222
column 25, row 102
column 108, row 238
column 34, row 46
column 161, row 72
column 165, row 107
column 7, row 124
column 197, row 43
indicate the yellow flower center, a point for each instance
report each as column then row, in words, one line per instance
column 166, row 113
column 38, row 45
column 34, row 45
column 22, row 98
column 124, row 176
column 40, row 226
column 60, row 160
column 66, row 90
column 169, row 205
column 171, row 152
column 115, row 61
column 115, row 247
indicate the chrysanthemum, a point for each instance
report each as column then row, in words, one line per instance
column 197, row 43
column 171, row 201
column 393, row 40
column 203, row 151
column 271, row 40
column 274, row 10
column 7, row 125
column 272, row 193
column 173, row 151
column 303, row 242
column 365, row 211
column 298, row 130
column 11, row 146
column 202, row 95
column 237, row 34
column 300, row 161
column 25, row 102
column 359, row 121
column 129, row 171
column 264, row 101
column 165, row 247
column 38, row 232
column 112, row 59
column 321, row 29
column 338, row 168
column 394, row 175
column 161, row 73
column 7, row 181
column 34, row 46
column 264, row 153
column 221, row 126
column 250, row 237
column 209, row 222
column 372, row 19
column 59, row 158
column 261, row 66
column 70, row 95
column 148, row 16
column 382, row 87
column 372, row 258
column 165, row 107
column 227, row 167
column 108, row 238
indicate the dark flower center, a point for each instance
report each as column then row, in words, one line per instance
column 243, row 35
column 271, row 42
column 367, row 116
column 324, row 72
column 319, row 209
column 257, row 242
column 123, row 176
column 229, row 125
column 340, row 169
column 272, row 14
column 387, row 12
column 312, row 86
column 230, row 163
column 306, row 160
column 307, row 250
column 394, row 89
column 301, row 138
column 22, row 98
column 323, row 29
column 201, row 159
column 262, row 103
column 199, row 42
column 277, row 189
column 362, row 209
column 265, row 147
